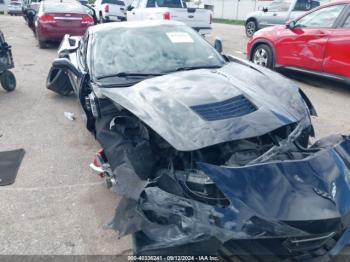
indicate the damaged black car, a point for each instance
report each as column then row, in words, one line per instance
column 211, row 153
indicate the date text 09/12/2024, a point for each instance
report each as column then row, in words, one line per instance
column 173, row 258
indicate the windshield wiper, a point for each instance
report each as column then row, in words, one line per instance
column 125, row 74
column 187, row 68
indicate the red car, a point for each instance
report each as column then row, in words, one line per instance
column 57, row 18
column 317, row 43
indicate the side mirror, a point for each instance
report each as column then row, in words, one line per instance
column 218, row 45
column 265, row 9
column 129, row 8
column 65, row 64
column 291, row 25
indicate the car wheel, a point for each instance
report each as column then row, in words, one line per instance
column 263, row 56
column 41, row 43
column 8, row 81
column 250, row 28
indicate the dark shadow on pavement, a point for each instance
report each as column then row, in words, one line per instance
column 318, row 82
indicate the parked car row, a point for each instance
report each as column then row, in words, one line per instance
column 52, row 19
column 198, row 18
column 317, row 43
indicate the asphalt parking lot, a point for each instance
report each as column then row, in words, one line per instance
column 57, row 205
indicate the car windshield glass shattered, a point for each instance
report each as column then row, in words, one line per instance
column 138, row 52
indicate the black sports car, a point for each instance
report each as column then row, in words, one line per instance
column 210, row 152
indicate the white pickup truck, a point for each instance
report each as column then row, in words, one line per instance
column 109, row 10
column 198, row 18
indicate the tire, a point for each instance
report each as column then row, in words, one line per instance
column 58, row 82
column 8, row 81
column 250, row 28
column 263, row 56
column 41, row 43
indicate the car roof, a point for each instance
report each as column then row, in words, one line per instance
column 132, row 24
column 62, row 6
column 59, row 2
column 335, row 3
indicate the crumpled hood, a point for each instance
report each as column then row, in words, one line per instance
column 166, row 104
column 313, row 188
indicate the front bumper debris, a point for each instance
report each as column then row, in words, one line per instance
column 295, row 208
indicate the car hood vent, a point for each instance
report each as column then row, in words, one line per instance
column 234, row 107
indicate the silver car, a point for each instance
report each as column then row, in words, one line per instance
column 14, row 8
column 278, row 12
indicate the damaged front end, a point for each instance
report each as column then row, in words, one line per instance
column 267, row 196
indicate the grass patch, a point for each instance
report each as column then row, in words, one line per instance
column 228, row 21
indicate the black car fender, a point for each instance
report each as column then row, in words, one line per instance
column 310, row 106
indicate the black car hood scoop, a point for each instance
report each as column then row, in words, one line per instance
column 234, row 107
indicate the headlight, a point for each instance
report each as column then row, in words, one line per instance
column 201, row 188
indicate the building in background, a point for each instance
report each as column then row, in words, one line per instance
column 237, row 9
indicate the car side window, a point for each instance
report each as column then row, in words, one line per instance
column 306, row 5
column 322, row 18
column 279, row 6
column 347, row 22
column 151, row 3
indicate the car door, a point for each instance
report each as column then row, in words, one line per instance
column 337, row 58
column 133, row 14
column 97, row 7
column 305, row 44
column 276, row 13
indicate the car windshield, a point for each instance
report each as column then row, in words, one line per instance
column 165, row 3
column 63, row 7
column 113, row 2
column 151, row 50
column 322, row 18
column 280, row 6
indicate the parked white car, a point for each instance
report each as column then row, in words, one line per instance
column 14, row 7
column 198, row 18
column 110, row 10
